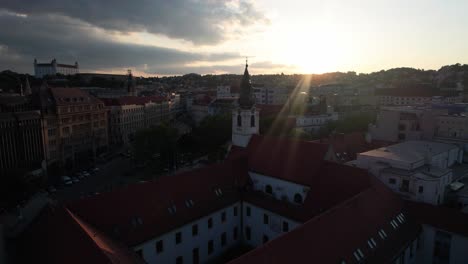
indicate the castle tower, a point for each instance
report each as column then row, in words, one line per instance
column 245, row 119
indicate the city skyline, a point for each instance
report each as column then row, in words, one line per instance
column 179, row 37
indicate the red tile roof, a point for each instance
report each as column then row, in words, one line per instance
column 447, row 219
column 72, row 96
column 343, row 209
column 205, row 100
column 334, row 235
column 133, row 100
column 150, row 202
column 59, row 236
column 292, row 160
column 331, row 185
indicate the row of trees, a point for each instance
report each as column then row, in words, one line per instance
column 162, row 148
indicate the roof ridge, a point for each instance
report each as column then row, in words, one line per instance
column 339, row 205
column 83, row 227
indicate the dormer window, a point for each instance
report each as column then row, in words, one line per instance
column 189, row 203
column 239, row 120
column 358, row 254
column 400, row 219
column 172, row 209
column 136, row 221
column 298, row 198
column 218, row 192
column 371, row 243
column 382, row 234
column 269, row 189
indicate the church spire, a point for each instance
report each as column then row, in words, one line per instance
column 246, row 98
column 245, row 119
column 27, row 89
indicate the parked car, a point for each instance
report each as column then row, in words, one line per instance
column 51, row 190
column 67, row 180
column 75, row 180
column 96, row 169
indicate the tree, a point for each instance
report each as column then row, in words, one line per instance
column 156, row 146
column 212, row 132
column 352, row 123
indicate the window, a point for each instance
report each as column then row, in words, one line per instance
column 159, row 246
column 442, row 247
column 268, row 189
column 265, row 219
column 179, row 260
column 223, row 239
column 252, row 121
column 195, row 256
column 189, row 203
column 139, row 253
column 358, row 254
column 391, row 181
column 234, row 233
column 285, row 226
column 218, row 192
column 420, row 189
column 247, row 232
column 298, row 198
column 247, row 211
column 405, row 186
column 239, row 120
column 235, row 210
column 382, row 234
column 223, row 217
column 265, row 239
column 210, row 247
column 210, row 222
column 195, row 230
column 371, row 244
column 411, row 250
column 178, row 237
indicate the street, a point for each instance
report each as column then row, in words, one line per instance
column 110, row 175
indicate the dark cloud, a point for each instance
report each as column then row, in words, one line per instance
column 201, row 22
column 52, row 36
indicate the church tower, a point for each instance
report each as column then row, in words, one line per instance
column 131, row 91
column 245, row 119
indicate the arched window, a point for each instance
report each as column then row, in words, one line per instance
column 239, row 120
column 268, row 189
column 298, row 198
column 252, row 121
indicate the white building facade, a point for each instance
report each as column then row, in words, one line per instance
column 313, row 123
column 416, row 170
column 271, row 95
column 53, row 68
column 197, row 242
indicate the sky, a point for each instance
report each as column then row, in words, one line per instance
column 172, row 37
